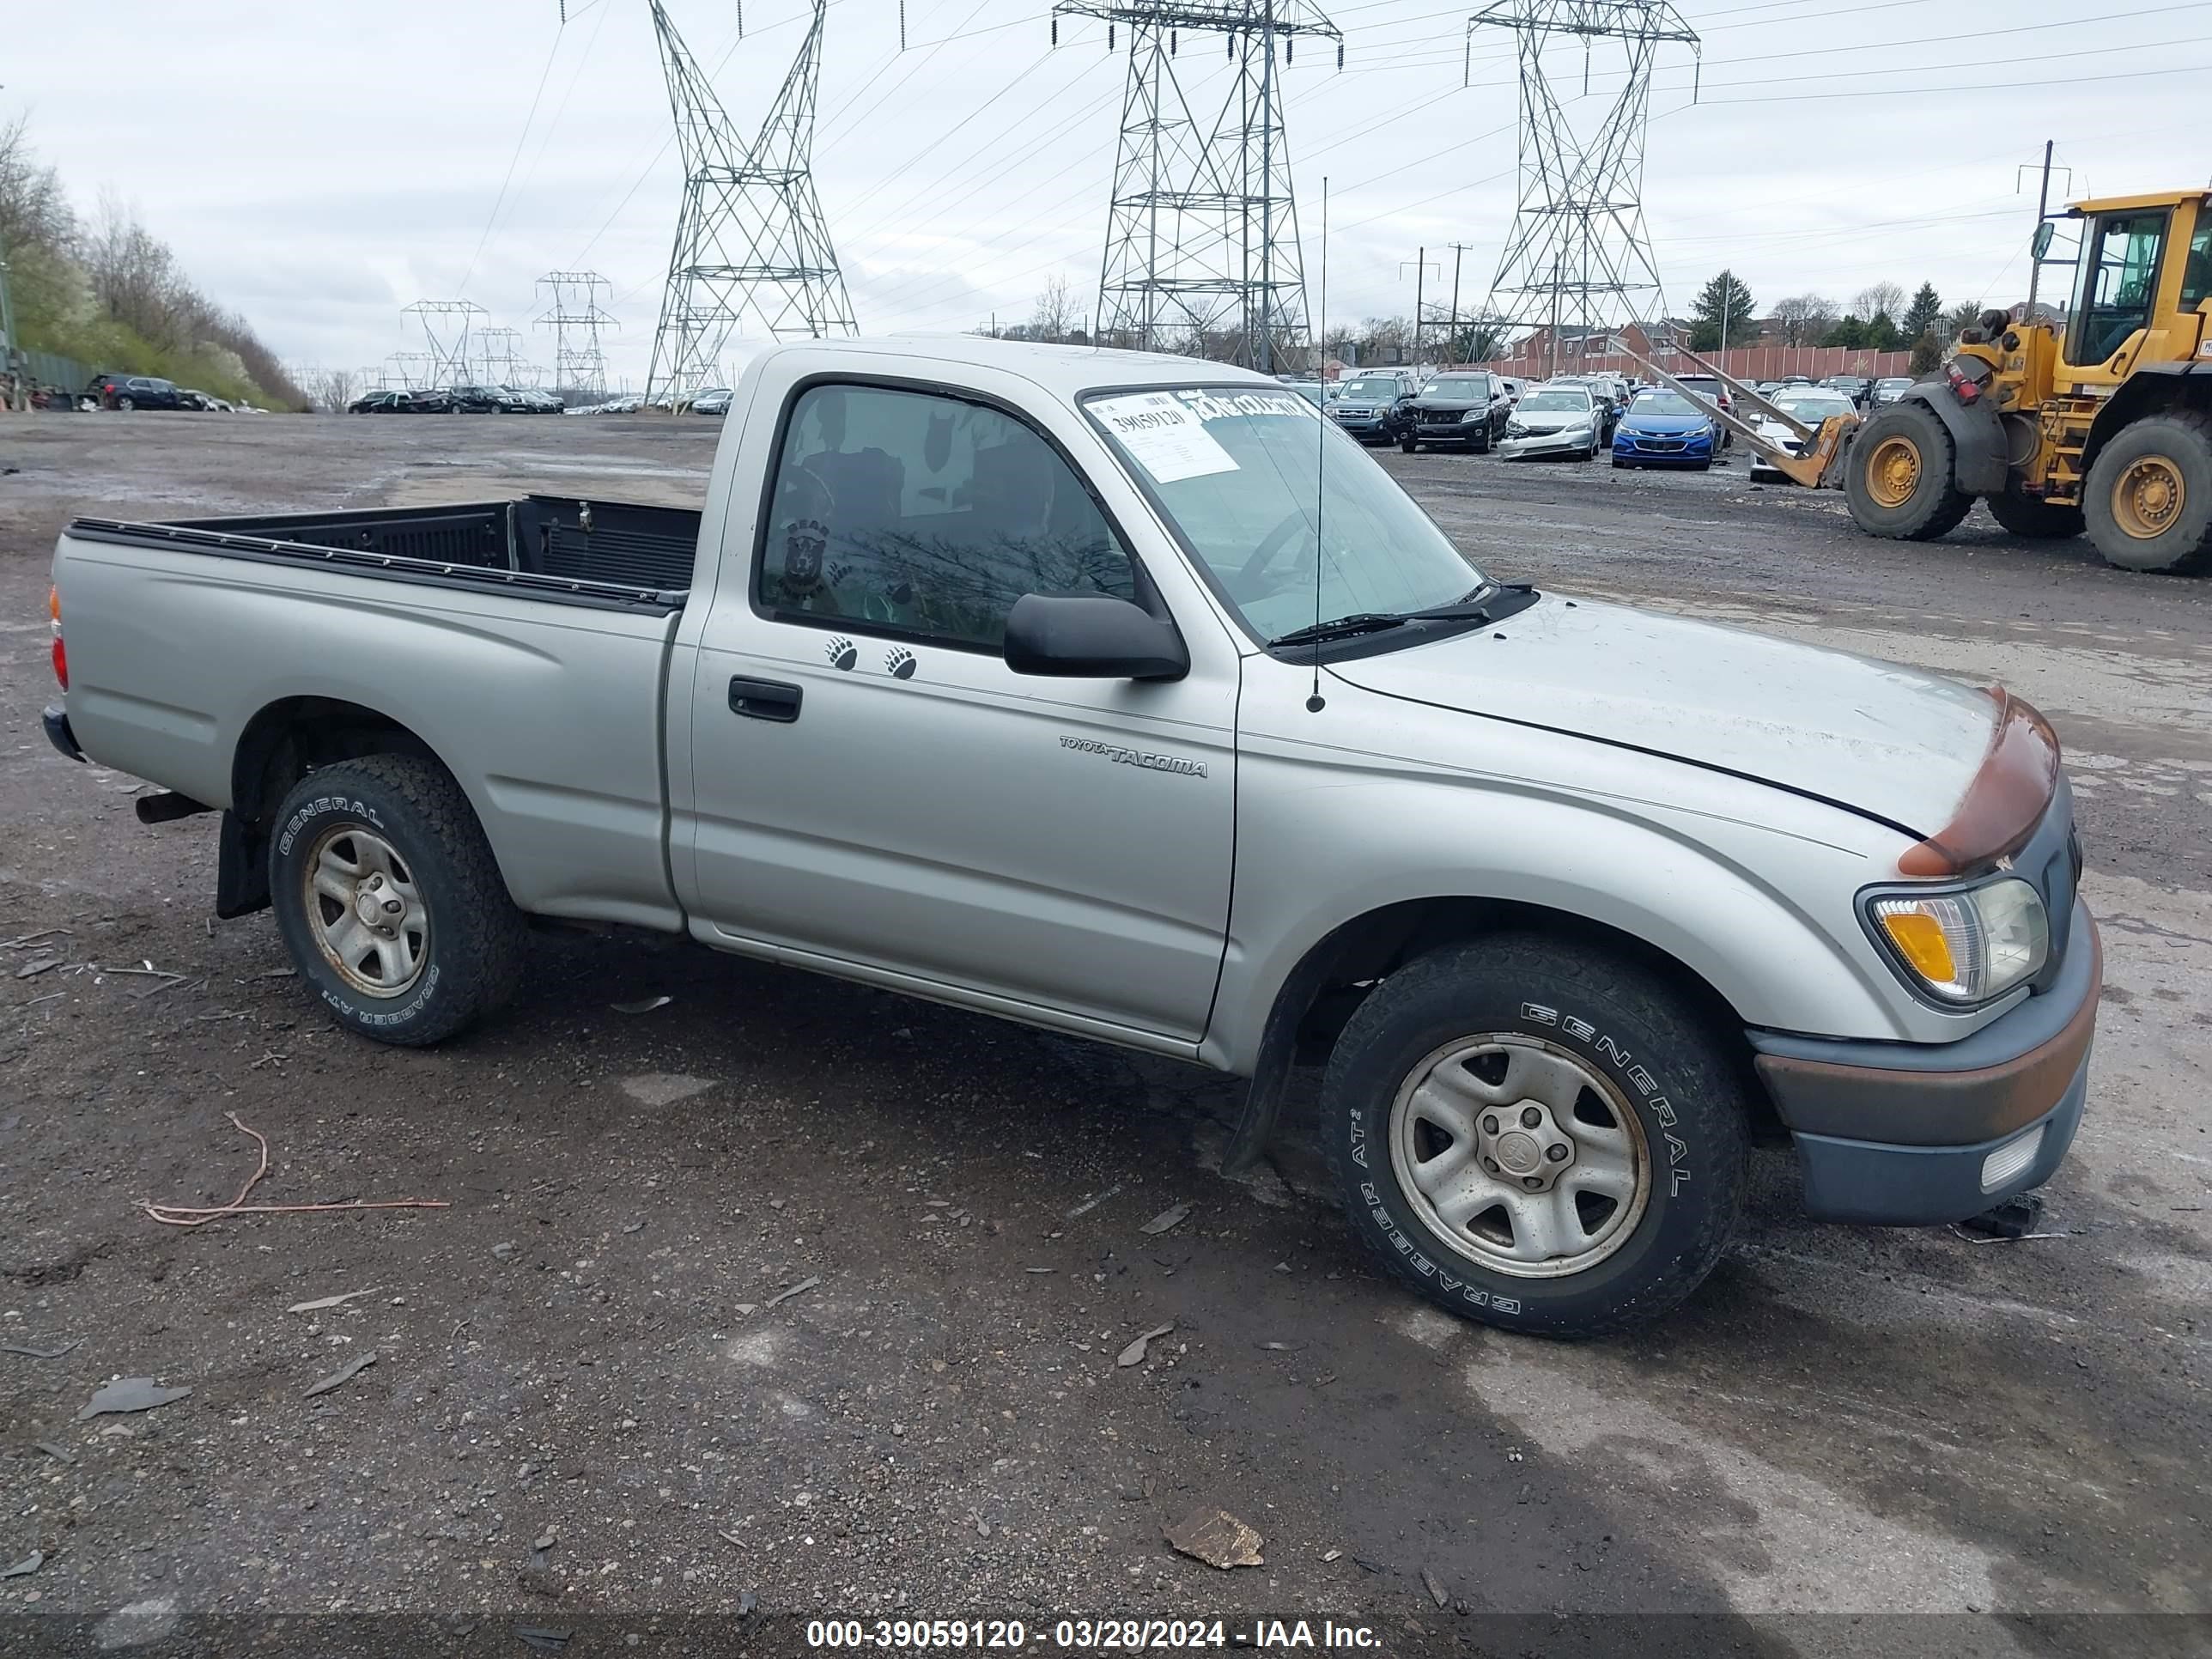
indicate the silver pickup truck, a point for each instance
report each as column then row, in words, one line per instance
column 1123, row 695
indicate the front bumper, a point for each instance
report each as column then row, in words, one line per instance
column 1470, row 433
column 1547, row 443
column 1639, row 451
column 1904, row 1134
column 1364, row 428
column 56, row 720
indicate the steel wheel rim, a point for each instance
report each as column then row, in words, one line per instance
column 1894, row 470
column 365, row 912
column 1470, row 1184
column 2147, row 498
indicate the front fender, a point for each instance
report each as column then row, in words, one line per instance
column 1733, row 902
column 1977, row 432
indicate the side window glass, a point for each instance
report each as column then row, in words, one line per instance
column 2196, row 275
column 914, row 513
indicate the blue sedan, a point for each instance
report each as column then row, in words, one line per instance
column 1664, row 429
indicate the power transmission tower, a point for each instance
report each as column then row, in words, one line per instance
column 575, row 317
column 1578, row 258
column 1202, row 250
column 750, row 236
column 445, row 326
column 497, row 361
column 410, row 371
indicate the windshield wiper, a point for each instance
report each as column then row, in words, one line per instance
column 1340, row 628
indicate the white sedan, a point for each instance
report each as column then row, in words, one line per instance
column 1809, row 405
column 1552, row 420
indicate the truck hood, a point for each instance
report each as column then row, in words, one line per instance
column 1888, row 742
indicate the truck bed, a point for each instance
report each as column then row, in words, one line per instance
column 620, row 553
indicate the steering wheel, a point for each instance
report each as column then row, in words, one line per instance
column 1271, row 545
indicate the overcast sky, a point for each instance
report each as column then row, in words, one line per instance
column 319, row 166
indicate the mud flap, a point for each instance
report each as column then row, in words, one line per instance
column 241, row 880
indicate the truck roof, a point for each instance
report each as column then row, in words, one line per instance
column 2156, row 199
column 1064, row 370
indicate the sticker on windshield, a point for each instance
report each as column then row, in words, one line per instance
column 1167, row 437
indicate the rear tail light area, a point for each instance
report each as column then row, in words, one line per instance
column 61, row 656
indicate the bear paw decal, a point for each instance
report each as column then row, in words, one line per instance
column 837, row 570
column 842, row 652
column 900, row 661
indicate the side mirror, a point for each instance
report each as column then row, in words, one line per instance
column 1091, row 636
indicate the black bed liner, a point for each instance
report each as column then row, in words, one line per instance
column 618, row 555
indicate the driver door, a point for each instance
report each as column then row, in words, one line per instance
column 877, row 793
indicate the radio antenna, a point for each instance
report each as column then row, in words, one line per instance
column 1317, row 702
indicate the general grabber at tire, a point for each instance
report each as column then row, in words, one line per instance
column 1537, row 1135
column 390, row 900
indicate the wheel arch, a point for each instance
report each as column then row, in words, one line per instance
column 2154, row 389
column 284, row 741
column 1337, row 972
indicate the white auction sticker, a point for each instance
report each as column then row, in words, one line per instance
column 1166, row 436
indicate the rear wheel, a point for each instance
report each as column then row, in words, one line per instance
column 2148, row 500
column 2039, row 520
column 125, row 404
column 390, row 902
column 1502, row 1153
column 1901, row 476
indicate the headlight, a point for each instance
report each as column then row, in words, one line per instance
column 1966, row 947
column 1470, row 415
column 1514, row 429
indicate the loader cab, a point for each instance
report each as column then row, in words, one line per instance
column 2145, row 271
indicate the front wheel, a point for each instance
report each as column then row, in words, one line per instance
column 1620, row 463
column 390, row 902
column 1900, row 477
column 1537, row 1136
column 1407, row 447
column 2148, row 499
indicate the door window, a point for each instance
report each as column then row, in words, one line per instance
column 2119, row 280
column 2196, row 275
column 914, row 513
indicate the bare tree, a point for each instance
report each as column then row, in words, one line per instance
column 1804, row 318
column 1881, row 300
column 1056, row 315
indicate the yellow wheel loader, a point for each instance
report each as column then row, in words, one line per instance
column 2103, row 424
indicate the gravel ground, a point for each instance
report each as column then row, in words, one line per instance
column 789, row 1299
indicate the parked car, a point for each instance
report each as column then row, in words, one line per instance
column 381, row 403
column 1611, row 393
column 431, row 400
column 1662, row 428
column 130, row 392
column 1578, row 897
column 715, row 400
column 1890, row 388
column 531, row 400
column 1313, row 391
column 1809, row 406
column 483, row 400
column 1709, row 387
column 1857, row 387
column 205, row 401
column 1459, row 408
column 1376, row 405
column 1554, row 420
column 1514, row 387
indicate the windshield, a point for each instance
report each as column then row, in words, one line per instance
column 1663, row 403
column 1243, row 476
column 1813, row 407
column 1461, row 385
column 1559, row 399
column 1372, row 391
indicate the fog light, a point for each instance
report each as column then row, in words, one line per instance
column 2009, row 1160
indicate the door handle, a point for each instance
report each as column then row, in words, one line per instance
column 764, row 700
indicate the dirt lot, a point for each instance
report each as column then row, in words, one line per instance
column 589, row 1408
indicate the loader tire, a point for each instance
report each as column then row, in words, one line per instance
column 1901, row 474
column 2038, row 520
column 2148, row 500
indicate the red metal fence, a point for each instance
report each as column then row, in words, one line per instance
column 1744, row 363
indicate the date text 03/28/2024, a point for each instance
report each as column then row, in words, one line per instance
column 1088, row 1635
